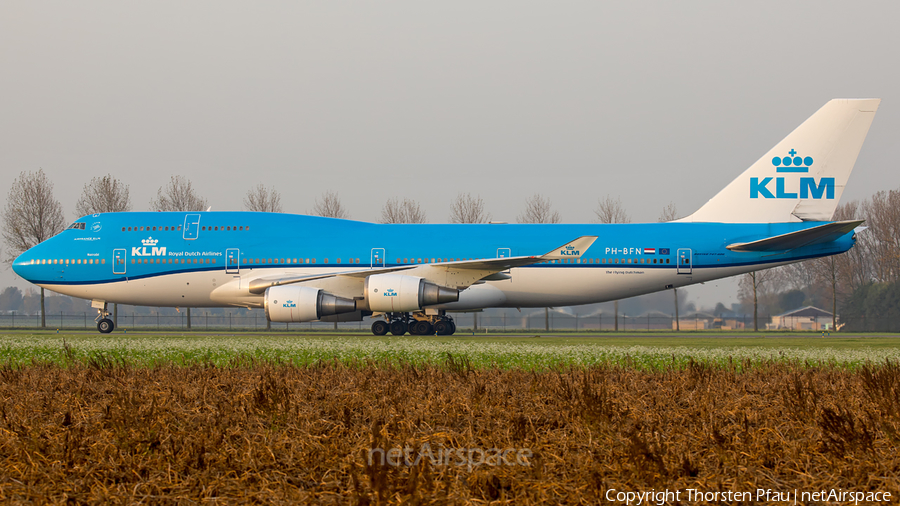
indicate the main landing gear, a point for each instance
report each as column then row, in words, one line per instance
column 417, row 324
column 104, row 324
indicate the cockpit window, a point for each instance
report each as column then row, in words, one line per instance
column 77, row 226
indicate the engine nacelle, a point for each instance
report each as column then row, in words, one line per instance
column 291, row 303
column 396, row 293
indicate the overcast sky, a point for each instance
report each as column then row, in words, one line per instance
column 651, row 102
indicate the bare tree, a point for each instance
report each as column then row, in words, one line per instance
column 178, row 195
column 405, row 211
column 538, row 210
column 752, row 285
column 103, row 195
column 468, row 209
column 882, row 213
column 611, row 210
column 263, row 200
column 330, row 206
column 32, row 216
column 669, row 213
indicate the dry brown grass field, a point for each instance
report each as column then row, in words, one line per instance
column 100, row 432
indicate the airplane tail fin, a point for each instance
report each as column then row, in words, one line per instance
column 803, row 176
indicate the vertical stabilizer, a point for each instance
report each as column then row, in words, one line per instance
column 803, row 176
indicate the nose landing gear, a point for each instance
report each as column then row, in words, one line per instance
column 104, row 324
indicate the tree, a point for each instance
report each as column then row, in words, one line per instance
column 263, row 200
column 538, row 210
column 178, row 195
column 611, row 210
column 330, row 206
column 406, row 211
column 468, row 209
column 11, row 299
column 751, row 285
column 32, row 216
column 882, row 213
column 669, row 213
column 103, row 195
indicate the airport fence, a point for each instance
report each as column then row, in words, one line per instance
column 467, row 322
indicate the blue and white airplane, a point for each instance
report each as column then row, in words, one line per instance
column 306, row 268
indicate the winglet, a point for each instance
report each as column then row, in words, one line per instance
column 572, row 249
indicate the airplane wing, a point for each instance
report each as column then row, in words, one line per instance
column 460, row 274
column 815, row 235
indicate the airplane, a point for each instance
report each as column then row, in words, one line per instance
column 411, row 276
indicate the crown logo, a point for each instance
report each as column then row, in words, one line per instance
column 150, row 241
column 792, row 163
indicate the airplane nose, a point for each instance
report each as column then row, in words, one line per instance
column 21, row 263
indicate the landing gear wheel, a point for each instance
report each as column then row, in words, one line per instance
column 443, row 328
column 105, row 326
column 380, row 328
column 452, row 327
column 398, row 327
column 423, row 328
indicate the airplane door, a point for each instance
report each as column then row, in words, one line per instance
column 119, row 261
column 377, row 258
column 684, row 261
column 191, row 226
column 232, row 261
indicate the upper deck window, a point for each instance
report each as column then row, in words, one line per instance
column 77, row 226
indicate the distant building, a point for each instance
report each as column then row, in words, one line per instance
column 807, row 318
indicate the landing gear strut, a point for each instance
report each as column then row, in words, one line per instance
column 417, row 324
column 104, row 324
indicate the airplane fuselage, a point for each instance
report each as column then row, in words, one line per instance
column 211, row 259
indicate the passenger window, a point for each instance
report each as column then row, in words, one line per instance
column 326, row 261
column 338, row 261
column 132, row 261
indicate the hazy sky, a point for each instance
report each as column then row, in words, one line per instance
column 651, row 102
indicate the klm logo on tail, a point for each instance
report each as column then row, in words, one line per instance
column 809, row 187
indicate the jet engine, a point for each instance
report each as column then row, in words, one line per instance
column 291, row 303
column 394, row 293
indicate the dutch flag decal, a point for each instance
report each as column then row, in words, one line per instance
column 649, row 251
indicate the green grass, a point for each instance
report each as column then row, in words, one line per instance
column 640, row 350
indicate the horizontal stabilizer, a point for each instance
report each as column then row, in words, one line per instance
column 815, row 235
